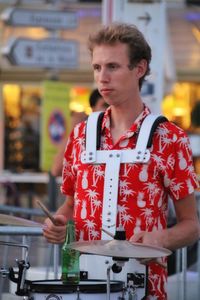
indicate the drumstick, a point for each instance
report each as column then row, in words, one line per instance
column 108, row 233
column 47, row 212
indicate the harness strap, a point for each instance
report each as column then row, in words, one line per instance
column 113, row 158
column 92, row 132
column 145, row 136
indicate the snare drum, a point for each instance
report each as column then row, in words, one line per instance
column 85, row 290
column 132, row 274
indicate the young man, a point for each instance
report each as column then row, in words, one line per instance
column 120, row 59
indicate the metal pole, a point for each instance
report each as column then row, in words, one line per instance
column 20, row 230
column 198, row 268
column 184, row 273
column 52, row 192
column 198, row 248
column 56, row 260
column 178, row 270
column 108, row 283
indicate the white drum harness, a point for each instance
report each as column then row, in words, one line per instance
column 113, row 159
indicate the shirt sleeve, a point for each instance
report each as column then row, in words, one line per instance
column 75, row 146
column 180, row 177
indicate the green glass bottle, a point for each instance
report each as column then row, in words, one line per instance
column 70, row 257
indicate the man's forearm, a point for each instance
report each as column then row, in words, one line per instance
column 67, row 208
column 182, row 234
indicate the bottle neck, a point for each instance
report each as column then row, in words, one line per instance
column 70, row 232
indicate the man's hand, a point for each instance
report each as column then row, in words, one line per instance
column 55, row 233
column 154, row 238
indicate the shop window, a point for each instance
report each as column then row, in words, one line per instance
column 21, row 114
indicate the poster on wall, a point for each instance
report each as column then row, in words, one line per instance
column 55, row 120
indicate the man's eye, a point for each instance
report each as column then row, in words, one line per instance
column 96, row 67
column 112, row 66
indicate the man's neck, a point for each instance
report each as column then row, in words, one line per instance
column 122, row 119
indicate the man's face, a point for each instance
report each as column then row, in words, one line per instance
column 115, row 80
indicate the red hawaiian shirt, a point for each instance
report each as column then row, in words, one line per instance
column 143, row 188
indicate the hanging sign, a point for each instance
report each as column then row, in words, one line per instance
column 49, row 19
column 46, row 53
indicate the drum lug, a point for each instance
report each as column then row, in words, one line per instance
column 83, row 275
column 123, row 296
column 20, row 280
column 136, row 280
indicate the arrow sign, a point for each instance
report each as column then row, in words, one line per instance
column 146, row 18
column 40, row 18
column 47, row 53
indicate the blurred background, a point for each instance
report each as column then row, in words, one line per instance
column 46, row 79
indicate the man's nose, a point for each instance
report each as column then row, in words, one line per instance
column 103, row 75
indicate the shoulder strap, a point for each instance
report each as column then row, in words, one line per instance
column 158, row 120
column 93, row 134
column 147, row 129
column 144, row 140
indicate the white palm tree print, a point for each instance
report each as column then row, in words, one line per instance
column 127, row 193
column 97, row 174
column 94, row 234
column 123, row 184
column 153, row 190
column 76, row 205
column 92, row 195
column 147, row 213
column 121, row 211
column 184, row 141
column 126, row 219
column 176, row 187
column 90, row 225
column 96, row 204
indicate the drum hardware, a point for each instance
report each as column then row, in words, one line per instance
column 20, row 280
column 23, row 266
column 122, row 297
column 132, row 294
column 108, row 283
column 78, row 293
column 83, row 275
column 4, row 272
column 84, row 290
column 121, row 250
column 135, row 281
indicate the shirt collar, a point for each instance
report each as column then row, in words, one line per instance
column 134, row 127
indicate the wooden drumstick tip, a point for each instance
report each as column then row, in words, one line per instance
column 47, row 212
column 107, row 232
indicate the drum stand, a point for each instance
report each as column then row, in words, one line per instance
column 108, row 283
column 23, row 265
column 117, row 266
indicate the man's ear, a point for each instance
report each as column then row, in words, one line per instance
column 141, row 68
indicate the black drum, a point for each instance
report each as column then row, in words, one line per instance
column 85, row 290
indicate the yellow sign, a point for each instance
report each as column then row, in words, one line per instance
column 55, row 120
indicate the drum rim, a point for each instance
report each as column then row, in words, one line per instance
column 37, row 286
